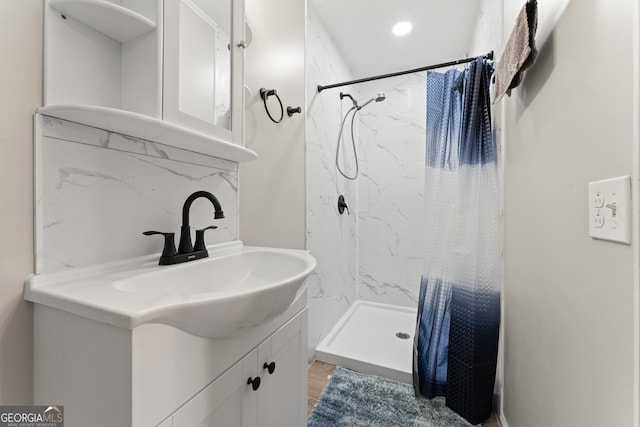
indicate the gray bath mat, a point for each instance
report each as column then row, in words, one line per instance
column 353, row 399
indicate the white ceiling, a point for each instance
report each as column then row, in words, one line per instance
column 442, row 31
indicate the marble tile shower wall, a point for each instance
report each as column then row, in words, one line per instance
column 391, row 190
column 331, row 238
column 97, row 191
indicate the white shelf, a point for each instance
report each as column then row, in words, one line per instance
column 148, row 128
column 115, row 21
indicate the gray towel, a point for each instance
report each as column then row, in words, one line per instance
column 519, row 53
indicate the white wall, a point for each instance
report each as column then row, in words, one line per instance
column 568, row 299
column 487, row 35
column 272, row 200
column 20, row 95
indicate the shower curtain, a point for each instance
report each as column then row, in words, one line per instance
column 456, row 340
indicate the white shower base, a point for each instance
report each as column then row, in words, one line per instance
column 365, row 340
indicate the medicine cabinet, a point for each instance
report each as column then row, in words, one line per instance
column 166, row 70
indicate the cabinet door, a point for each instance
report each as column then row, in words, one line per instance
column 227, row 402
column 203, row 66
column 282, row 400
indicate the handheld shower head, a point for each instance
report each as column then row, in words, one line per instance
column 379, row 97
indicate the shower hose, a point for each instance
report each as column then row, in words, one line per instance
column 353, row 144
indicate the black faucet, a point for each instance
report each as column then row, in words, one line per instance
column 187, row 251
column 185, row 231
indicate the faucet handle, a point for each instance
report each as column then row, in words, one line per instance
column 200, row 245
column 169, row 244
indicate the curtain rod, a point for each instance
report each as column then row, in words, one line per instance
column 400, row 73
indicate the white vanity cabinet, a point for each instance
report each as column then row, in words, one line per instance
column 279, row 400
column 227, row 401
column 282, row 397
column 157, row 375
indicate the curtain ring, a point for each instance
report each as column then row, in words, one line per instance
column 266, row 93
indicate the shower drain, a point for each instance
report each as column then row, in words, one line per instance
column 403, row 335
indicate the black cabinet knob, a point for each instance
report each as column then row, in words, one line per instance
column 254, row 382
column 270, row 367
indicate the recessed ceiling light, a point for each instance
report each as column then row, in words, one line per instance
column 402, row 28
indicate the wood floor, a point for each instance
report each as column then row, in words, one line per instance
column 318, row 377
column 319, row 373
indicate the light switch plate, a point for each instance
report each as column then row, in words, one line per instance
column 610, row 209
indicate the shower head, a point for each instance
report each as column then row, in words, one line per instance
column 379, row 97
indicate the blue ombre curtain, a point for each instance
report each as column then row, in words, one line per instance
column 456, row 340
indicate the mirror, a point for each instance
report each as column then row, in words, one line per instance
column 201, row 65
column 204, row 65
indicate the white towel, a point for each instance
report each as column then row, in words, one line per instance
column 519, row 53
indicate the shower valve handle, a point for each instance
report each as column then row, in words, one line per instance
column 342, row 205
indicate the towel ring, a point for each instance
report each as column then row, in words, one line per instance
column 265, row 94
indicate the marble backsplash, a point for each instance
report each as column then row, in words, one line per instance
column 97, row 191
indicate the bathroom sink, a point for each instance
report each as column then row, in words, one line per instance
column 237, row 288
column 228, row 293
